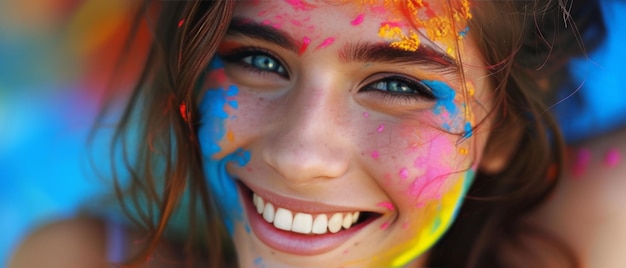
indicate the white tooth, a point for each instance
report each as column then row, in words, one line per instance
column 334, row 224
column 260, row 206
column 355, row 217
column 268, row 213
column 302, row 223
column 347, row 221
column 320, row 225
column 283, row 219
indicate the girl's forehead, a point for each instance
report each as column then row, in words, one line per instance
column 403, row 24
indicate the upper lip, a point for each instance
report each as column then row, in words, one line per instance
column 311, row 207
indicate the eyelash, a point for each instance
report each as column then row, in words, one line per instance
column 239, row 57
column 419, row 91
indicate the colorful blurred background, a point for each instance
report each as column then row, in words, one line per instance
column 57, row 58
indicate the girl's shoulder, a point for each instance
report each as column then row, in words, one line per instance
column 87, row 242
column 587, row 209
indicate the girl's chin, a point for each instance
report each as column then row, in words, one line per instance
column 294, row 243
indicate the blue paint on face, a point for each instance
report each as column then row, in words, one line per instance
column 445, row 96
column 468, row 130
column 464, row 32
column 210, row 133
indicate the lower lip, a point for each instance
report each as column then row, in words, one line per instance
column 294, row 243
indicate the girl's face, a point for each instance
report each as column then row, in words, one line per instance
column 341, row 134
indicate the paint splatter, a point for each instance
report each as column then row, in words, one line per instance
column 384, row 226
column 375, row 154
column 329, row 41
column 366, row 114
column 468, row 130
column 387, row 205
column 404, row 173
column 299, row 5
column 358, row 20
column 445, row 96
column 305, row 44
column 464, row 32
column 181, row 22
column 583, row 158
column 380, row 128
column 612, row 158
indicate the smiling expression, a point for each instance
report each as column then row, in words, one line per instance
column 340, row 134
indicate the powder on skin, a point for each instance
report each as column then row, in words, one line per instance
column 612, row 158
column 358, row 20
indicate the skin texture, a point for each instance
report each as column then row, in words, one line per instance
column 322, row 129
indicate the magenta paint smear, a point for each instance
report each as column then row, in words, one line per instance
column 384, row 225
column 358, row 20
column 427, row 187
column 583, row 158
column 299, row 5
column 305, row 44
column 375, row 155
column 386, row 205
column 366, row 115
column 404, row 173
column 329, row 41
column 612, row 158
column 380, row 128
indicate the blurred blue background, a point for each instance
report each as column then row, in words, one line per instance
column 57, row 56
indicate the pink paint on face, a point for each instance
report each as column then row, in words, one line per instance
column 404, row 173
column 298, row 5
column 384, row 226
column 375, row 154
column 305, row 44
column 387, row 205
column 358, row 20
column 380, row 128
column 583, row 158
column 366, row 114
column 612, row 158
column 327, row 42
column 427, row 186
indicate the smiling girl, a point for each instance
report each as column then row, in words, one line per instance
column 345, row 134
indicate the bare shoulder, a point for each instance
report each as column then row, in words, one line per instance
column 588, row 209
column 70, row 243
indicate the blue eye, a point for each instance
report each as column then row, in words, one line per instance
column 402, row 86
column 264, row 62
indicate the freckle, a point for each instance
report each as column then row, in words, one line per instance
column 612, row 158
column 583, row 158
column 366, row 115
column 329, row 41
column 380, row 128
column 358, row 20
column 375, row 155
column 404, row 173
column 384, row 226
column 305, row 44
column 386, row 205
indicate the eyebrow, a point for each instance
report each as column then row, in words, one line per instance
column 384, row 53
column 361, row 52
column 252, row 29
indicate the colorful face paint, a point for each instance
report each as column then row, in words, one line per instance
column 211, row 133
column 361, row 154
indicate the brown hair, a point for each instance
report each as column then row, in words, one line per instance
column 517, row 39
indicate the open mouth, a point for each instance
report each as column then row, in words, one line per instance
column 301, row 232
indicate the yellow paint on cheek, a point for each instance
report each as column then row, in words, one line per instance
column 437, row 216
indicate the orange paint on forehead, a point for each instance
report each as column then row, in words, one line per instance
column 438, row 21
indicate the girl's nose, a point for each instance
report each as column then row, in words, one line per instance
column 310, row 142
